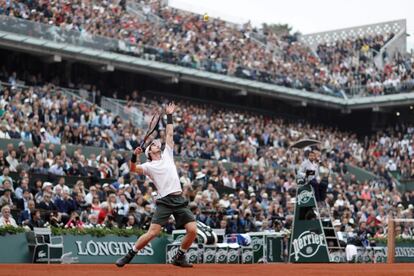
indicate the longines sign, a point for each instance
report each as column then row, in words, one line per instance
column 104, row 248
column 108, row 249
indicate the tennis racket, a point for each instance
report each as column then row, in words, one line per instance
column 152, row 126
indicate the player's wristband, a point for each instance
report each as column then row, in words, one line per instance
column 169, row 119
column 134, row 158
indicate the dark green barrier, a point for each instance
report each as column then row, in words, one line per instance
column 361, row 174
column 406, row 185
column 89, row 249
column 14, row 249
column 108, row 249
column 404, row 252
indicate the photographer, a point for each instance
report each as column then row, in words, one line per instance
column 55, row 219
column 246, row 223
column 74, row 221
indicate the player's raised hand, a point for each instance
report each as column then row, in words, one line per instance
column 138, row 151
column 170, row 108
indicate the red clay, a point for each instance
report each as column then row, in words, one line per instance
column 205, row 269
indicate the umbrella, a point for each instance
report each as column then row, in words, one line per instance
column 304, row 143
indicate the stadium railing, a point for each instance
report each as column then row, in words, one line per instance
column 116, row 107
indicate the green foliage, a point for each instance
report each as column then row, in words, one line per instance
column 101, row 232
column 397, row 241
column 98, row 232
column 11, row 230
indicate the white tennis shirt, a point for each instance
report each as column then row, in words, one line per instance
column 163, row 173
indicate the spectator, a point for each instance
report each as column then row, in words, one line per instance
column 5, row 176
column 46, row 203
column 65, row 205
column 74, row 221
column 6, row 199
column 24, row 185
column 23, row 203
column 91, row 195
column 92, row 221
column 6, row 218
column 25, row 217
column 37, row 220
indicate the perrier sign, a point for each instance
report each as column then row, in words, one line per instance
column 308, row 242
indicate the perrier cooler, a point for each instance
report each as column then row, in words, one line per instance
column 258, row 245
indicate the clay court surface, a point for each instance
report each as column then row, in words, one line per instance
column 204, row 270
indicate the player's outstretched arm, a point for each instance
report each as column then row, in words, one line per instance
column 133, row 167
column 169, row 110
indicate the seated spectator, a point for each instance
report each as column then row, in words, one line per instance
column 122, row 206
column 65, row 205
column 46, row 203
column 86, row 212
column 57, row 167
column 93, row 221
column 6, row 219
column 23, row 203
column 46, row 189
column 25, row 217
column 24, row 185
column 103, row 213
column 6, row 199
column 12, row 161
column 5, row 176
column 91, row 195
column 96, row 205
column 131, row 223
column 37, row 220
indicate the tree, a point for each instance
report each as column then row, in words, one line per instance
column 278, row 29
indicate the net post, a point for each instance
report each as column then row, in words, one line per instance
column 391, row 241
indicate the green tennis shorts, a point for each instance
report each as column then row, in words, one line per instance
column 175, row 205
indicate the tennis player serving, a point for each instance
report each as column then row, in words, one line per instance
column 161, row 169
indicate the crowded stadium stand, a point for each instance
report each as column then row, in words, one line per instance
column 79, row 81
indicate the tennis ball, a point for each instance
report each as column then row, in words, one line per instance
column 205, row 17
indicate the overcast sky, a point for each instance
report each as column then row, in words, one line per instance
column 307, row 16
